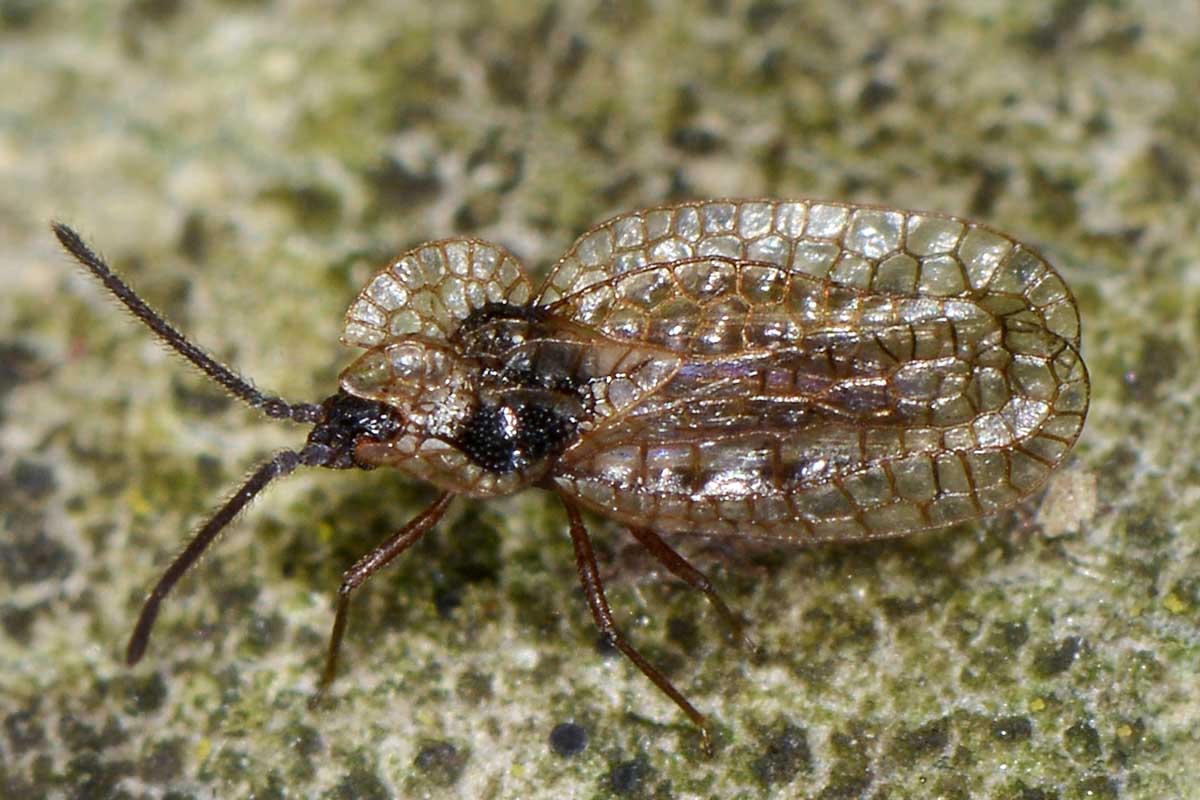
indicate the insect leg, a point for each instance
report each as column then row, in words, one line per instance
column 682, row 569
column 282, row 464
column 593, row 590
column 364, row 568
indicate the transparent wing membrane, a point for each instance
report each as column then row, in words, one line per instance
column 431, row 289
column 849, row 372
column 873, row 249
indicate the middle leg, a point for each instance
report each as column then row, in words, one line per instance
column 364, row 568
column 593, row 590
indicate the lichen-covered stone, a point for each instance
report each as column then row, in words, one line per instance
column 249, row 165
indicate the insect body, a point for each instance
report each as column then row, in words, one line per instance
column 796, row 371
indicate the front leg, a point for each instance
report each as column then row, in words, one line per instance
column 364, row 568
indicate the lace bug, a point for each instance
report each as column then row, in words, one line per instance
column 791, row 370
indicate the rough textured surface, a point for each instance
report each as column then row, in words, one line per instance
column 248, row 165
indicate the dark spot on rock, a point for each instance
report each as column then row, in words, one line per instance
column 194, row 238
column 17, row 622
column 897, row 608
column 1021, row 791
column 441, row 762
column 304, row 740
column 397, row 188
column 1121, row 38
column 145, row 695
column 35, row 480
column 1055, row 196
column 1056, row 659
column 90, row 776
column 619, row 187
column 1099, row 124
column 162, row 762
column 77, row 734
column 1064, row 17
column 1082, row 742
column 473, row 687
column 1144, row 525
column 508, row 78
column 362, row 783
column 305, row 743
column 680, row 188
column 44, row 771
column 157, row 11
column 851, row 773
column 273, row 788
column 24, row 728
column 629, row 777
column 568, row 739
column 506, row 164
column 1148, row 669
column 312, row 206
column 12, row 785
column 1126, row 748
column 875, row 95
column 1013, row 634
column 846, row 787
column 684, row 632
column 34, row 556
column 988, row 189
column 568, row 64
column 468, row 554
column 446, row 599
column 229, row 681
column 851, row 744
column 18, row 364
column 929, row 739
column 1170, row 175
column 228, row 764
column 236, row 597
column 785, row 755
column 1157, row 361
column 18, row 15
column 763, row 14
column 696, row 141
column 1012, row 729
column 113, row 733
column 479, row 210
column 265, row 632
column 1097, row 788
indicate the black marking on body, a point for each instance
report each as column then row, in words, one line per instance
column 507, row 437
column 347, row 420
column 553, row 378
column 489, row 312
column 504, row 339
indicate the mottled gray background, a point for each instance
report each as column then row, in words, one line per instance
column 248, row 164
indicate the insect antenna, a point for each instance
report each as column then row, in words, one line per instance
column 281, row 464
column 235, row 384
